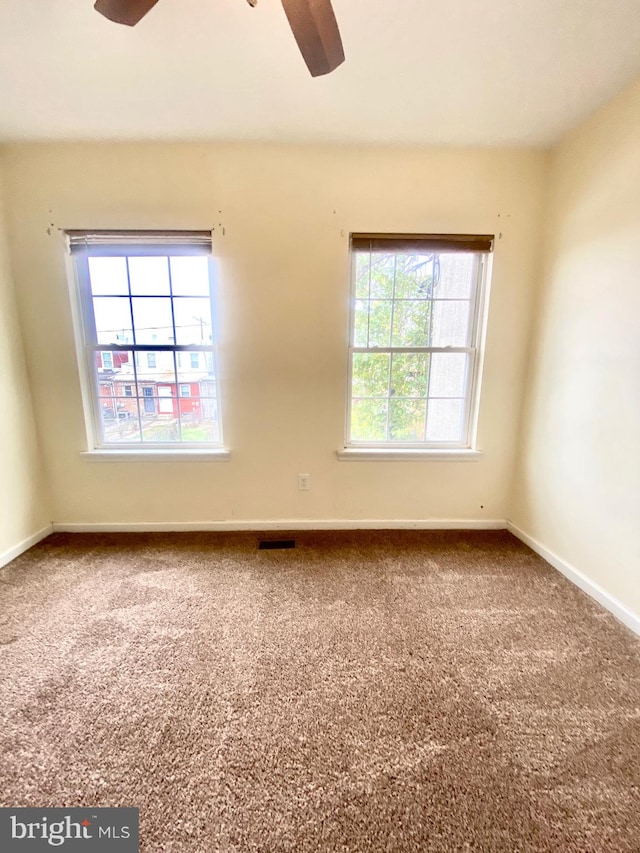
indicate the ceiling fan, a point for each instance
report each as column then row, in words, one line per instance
column 312, row 21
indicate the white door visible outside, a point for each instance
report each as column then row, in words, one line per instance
column 165, row 403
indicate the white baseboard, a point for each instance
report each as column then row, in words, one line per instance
column 282, row 524
column 594, row 590
column 21, row 547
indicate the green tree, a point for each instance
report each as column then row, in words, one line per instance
column 393, row 308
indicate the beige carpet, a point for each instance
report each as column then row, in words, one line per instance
column 367, row 691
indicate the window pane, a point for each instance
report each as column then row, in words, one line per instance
column 119, row 417
column 382, row 275
column 108, row 276
column 167, row 400
column 159, row 412
column 362, row 269
column 196, row 384
column 444, row 420
column 153, row 367
column 410, row 374
column 190, row 377
column 193, row 321
column 411, row 324
column 370, row 377
column 448, row 374
column 190, row 275
column 104, row 363
column 406, row 301
column 414, row 276
column 451, row 324
column 457, row 272
column 369, row 420
column 380, row 323
column 138, row 300
column 148, row 400
column 124, row 408
column 205, row 430
column 113, row 378
column 152, row 319
column 200, row 423
column 162, row 428
column 407, row 420
column 105, row 389
column 113, row 320
column 207, row 364
column 208, row 387
column 149, row 276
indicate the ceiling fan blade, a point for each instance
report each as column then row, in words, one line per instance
column 316, row 31
column 127, row 12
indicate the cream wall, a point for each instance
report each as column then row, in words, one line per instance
column 282, row 215
column 577, row 486
column 24, row 506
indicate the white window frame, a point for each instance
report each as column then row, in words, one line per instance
column 466, row 448
column 83, row 245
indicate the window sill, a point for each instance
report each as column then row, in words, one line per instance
column 401, row 454
column 156, row 455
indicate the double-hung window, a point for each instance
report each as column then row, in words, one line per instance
column 415, row 335
column 145, row 298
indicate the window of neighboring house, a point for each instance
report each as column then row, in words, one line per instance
column 414, row 353
column 195, row 360
column 146, row 298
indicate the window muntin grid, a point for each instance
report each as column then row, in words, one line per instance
column 413, row 347
column 141, row 308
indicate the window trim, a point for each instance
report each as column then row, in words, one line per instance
column 127, row 244
column 482, row 247
column 158, row 454
column 402, row 454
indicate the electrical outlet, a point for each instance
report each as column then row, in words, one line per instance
column 304, row 482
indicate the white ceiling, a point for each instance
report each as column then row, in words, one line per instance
column 462, row 72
